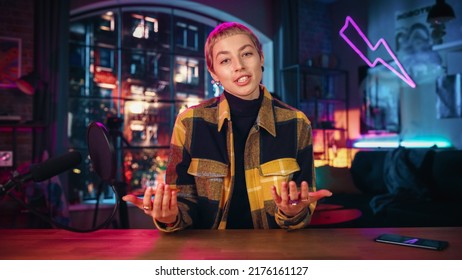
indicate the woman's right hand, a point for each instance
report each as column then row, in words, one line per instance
column 162, row 208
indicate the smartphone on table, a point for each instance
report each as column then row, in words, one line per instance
column 412, row 241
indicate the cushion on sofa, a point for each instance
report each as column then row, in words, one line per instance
column 367, row 171
column 407, row 203
column 403, row 170
column 447, row 175
column 337, row 180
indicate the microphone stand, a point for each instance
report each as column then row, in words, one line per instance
column 18, row 182
column 120, row 185
column 4, row 190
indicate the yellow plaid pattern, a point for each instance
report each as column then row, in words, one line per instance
column 201, row 164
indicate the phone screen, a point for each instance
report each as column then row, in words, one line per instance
column 412, row 241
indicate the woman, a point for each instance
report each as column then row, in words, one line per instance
column 240, row 160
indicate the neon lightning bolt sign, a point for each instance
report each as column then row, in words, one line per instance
column 403, row 75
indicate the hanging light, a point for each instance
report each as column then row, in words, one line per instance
column 440, row 13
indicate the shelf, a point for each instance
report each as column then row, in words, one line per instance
column 451, row 46
column 322, row 94
column 14, row 125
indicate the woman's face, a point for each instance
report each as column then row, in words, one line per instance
column 237, row 66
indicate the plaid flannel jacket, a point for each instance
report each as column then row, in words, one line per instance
column 201, row 163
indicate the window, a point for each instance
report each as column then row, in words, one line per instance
column 186, row 70
column 143, row 26
column 187, row 36
column 133, row 69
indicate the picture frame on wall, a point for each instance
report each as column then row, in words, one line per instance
column 449, row 97
column 10, row 61
column 380, row 93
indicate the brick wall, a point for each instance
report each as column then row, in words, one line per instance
column 315, row 33
column 16, row 21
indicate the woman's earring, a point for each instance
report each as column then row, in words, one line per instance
column 263, row 68
column 217, row 83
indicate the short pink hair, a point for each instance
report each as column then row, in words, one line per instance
column 224, row 30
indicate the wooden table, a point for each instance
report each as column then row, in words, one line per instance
column 318, row 244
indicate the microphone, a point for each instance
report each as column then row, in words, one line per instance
column 44, row 170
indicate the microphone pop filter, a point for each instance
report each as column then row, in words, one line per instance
column 101, row 151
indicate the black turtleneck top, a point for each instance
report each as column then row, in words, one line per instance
column 243, row 116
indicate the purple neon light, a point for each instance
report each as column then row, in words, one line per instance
column 403, row 75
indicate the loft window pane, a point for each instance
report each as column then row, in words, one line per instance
column 83, row 111
column 144, row 27
column 189, row 73
column 147, row 123
column 142, row 30
column 77, row 31
column 144, row 168
column 104, row 28
column 136, row 64
column 187, row 36
column 193, row 37
column 103, row 67
column 186, row 70
column 146, row 75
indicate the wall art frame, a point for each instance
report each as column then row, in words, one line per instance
column 10, row 61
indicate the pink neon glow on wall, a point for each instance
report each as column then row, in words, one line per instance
column 403, row 75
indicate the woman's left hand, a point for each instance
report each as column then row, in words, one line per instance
column 291, row 201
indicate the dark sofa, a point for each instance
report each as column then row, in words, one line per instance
column 396, row 188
